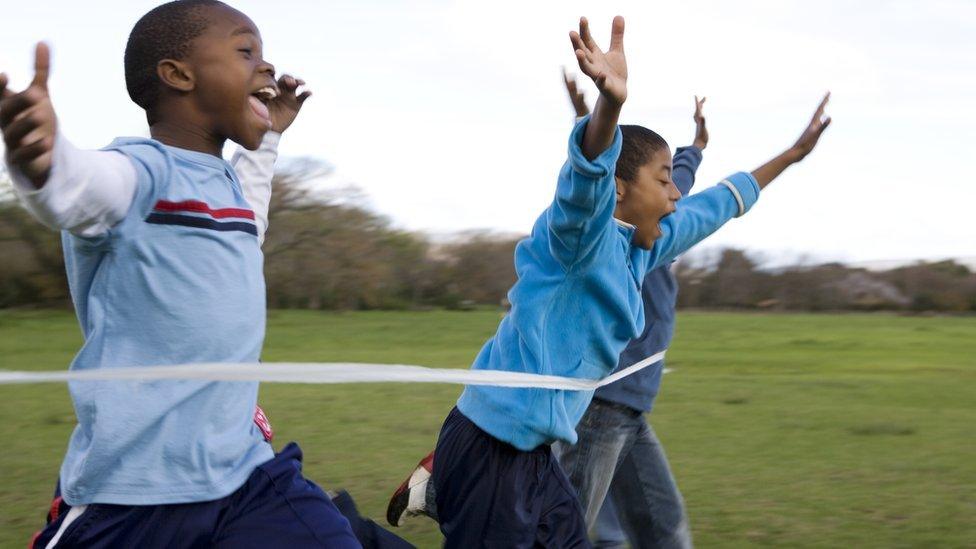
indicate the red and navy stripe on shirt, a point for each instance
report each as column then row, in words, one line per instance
column 193, row 213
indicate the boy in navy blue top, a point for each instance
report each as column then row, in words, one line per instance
column 165, row 267
column 613, row 430
column 575, row 306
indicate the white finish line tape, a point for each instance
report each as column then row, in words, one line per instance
column 343, row 372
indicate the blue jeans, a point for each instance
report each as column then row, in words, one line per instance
column 607, row 532
column 619, row 455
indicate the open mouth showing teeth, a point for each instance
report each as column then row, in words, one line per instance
column 266, row 94
column 260, row 102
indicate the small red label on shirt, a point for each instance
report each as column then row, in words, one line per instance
column 262, row 422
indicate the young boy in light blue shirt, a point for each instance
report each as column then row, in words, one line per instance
column 164, row 263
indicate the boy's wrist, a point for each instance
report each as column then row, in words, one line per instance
column 792, row 155
column 613, row 102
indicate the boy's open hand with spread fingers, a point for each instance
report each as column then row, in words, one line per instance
column 608, row 70
column 285, row 106
column 804, row 145
column 29, row 123
column 811, row 135
column 701, row 132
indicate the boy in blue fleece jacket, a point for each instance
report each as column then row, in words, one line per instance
column 575, row 307
column 618, row 457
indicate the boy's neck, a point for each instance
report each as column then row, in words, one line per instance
column 187, row 136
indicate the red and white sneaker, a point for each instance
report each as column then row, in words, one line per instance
column 410, row 499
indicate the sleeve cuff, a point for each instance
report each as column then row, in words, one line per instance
column 600, row 166
column 744, row 189
column 22, row 185
column 690, row 149
column 270, row 140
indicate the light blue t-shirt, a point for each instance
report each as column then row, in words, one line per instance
column 178, row 280
column 577, row 301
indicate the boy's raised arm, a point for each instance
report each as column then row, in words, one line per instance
column 609, row 72
column 85, row 192
column 687, row 159
column 584, row 201
column 702, row 214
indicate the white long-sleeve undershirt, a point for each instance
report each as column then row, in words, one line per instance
column 88, row 192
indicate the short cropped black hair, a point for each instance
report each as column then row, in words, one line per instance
column 165, row 32
column 638, row 147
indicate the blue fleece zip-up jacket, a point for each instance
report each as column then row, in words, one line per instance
column 577, row 303
column 659, row 293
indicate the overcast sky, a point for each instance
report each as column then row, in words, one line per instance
column 452, row 115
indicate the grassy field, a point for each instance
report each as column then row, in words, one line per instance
column 783, row 430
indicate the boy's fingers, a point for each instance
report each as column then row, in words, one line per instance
column 42, row 65
column 617, row 34
column 826, row 123
column 286, row 83
column 577, row 41
column 585, row 34
column 30, row 152
column 584, row 64
column 303, row 96
column 15, row 104
column 822, row 106
column 4, row 92
column 16, row 131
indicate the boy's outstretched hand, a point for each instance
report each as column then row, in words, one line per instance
column 284, row 108
column 608, row 69
column 701, row 132
column 29, row 123
column 808, row 139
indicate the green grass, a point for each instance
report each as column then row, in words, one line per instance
column 783, row 430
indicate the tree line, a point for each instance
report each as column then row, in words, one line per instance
column 330, row 250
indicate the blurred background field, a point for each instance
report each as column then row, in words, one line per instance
column 784, row 430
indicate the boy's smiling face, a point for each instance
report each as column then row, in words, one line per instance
column 651, row 196
column 232, row 81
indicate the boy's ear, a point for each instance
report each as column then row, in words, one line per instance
column 621, row 188
column 175, row 75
